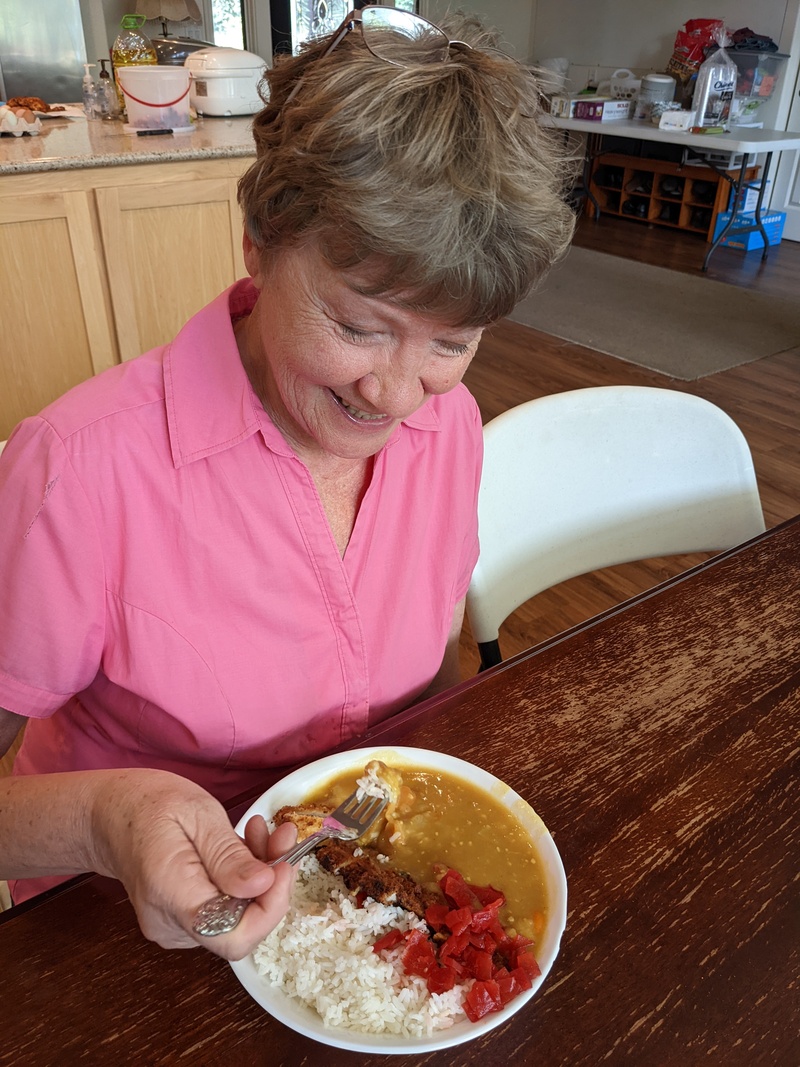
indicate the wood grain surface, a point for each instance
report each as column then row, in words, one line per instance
column 659, row 743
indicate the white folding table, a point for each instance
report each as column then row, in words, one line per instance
column 749, row 142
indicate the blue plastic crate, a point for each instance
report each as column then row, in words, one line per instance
column 773, row 222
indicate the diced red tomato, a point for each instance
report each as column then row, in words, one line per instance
column 488, row 895
column 509, row 988
column 456, row 891
column 454, row 945
column 515, row 948
column 435, row 915
column 479, row 964
column 458, row 919
column 522, row 978
column 483, row 998
column 485, row 942
column 475, row 946
column 441, row 978
column 394, row 937
column 526, row 961
column 419, row 957
column 486, row 919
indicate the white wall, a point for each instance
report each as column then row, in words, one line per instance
column 514, row 19
column 608, row 34
column 639, row 33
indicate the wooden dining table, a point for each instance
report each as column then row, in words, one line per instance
column 659, row 743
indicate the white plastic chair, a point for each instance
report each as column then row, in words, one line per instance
column 594, row 477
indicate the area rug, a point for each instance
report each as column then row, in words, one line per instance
column 686, row 326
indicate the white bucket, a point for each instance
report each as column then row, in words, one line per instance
column 156, row 98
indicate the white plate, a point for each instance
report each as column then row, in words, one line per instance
column 71, row 111
column 296, row 787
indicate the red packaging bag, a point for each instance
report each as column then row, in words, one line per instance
column 692, row 42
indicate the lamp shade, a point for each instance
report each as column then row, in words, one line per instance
column 171, row 10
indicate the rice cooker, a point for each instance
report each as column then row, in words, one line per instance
column 225, row 81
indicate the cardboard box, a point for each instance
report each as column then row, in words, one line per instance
column 562, row 105
column 601, row 108
column 773, row 222
column 751, row 198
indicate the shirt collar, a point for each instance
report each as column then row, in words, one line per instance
column 210, row 402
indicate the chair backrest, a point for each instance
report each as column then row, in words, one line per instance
column 593, row 477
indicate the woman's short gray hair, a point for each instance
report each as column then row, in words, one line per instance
column 437, row 181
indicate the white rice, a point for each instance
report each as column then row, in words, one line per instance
column 321, row 954
column 371, row 785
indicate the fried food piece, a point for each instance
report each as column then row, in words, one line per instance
column 306, row 817
column 32, row 103
column 365, row 874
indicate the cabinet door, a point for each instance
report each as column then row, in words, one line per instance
column 55, row 319
column 170, row 248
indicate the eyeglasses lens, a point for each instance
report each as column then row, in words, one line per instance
column 401, row 37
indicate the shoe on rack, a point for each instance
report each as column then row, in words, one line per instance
column 672, row 186
column 704, row 192
column 636, row 207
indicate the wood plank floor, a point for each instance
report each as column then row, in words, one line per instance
column 516, row 363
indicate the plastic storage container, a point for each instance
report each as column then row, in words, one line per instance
column 156, row 98
column 655, row 89
column 759, row 74
column 225, row 81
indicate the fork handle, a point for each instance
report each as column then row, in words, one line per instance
column 222, row 913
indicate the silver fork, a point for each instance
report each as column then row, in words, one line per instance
column 352, row 818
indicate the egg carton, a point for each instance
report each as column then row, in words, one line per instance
column 17, row 121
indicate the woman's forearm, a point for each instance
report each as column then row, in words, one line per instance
column 46, row 824
column 167, row 840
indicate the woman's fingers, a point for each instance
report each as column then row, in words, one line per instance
column 173, row 847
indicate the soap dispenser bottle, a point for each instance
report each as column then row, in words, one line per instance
column 89, row 92
column 107, row 93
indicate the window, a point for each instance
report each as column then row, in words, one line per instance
column 228, row 23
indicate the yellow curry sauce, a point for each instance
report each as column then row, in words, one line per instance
column 443, row 820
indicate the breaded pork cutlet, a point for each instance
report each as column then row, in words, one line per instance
column 365, row 874
column 306, row 817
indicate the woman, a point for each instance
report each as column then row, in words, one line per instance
column 246, row 547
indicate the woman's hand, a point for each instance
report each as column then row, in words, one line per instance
column 173, row 848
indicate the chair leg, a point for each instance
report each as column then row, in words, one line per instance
column 490, row 654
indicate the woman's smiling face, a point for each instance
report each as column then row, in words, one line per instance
column 336, row 370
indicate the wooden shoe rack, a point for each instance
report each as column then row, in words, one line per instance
column 662, row 193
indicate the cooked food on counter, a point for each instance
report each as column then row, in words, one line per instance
column 33, row 103
column 403, row 933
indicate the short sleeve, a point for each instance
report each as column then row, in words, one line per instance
column 51, row 575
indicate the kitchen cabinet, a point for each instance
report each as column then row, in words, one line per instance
column 100, row 264
column 55, row 320
column 171, row 248
column 681, row 196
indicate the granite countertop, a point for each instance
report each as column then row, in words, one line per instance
column 76, row 143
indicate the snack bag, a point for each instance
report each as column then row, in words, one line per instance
column 691, row 45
